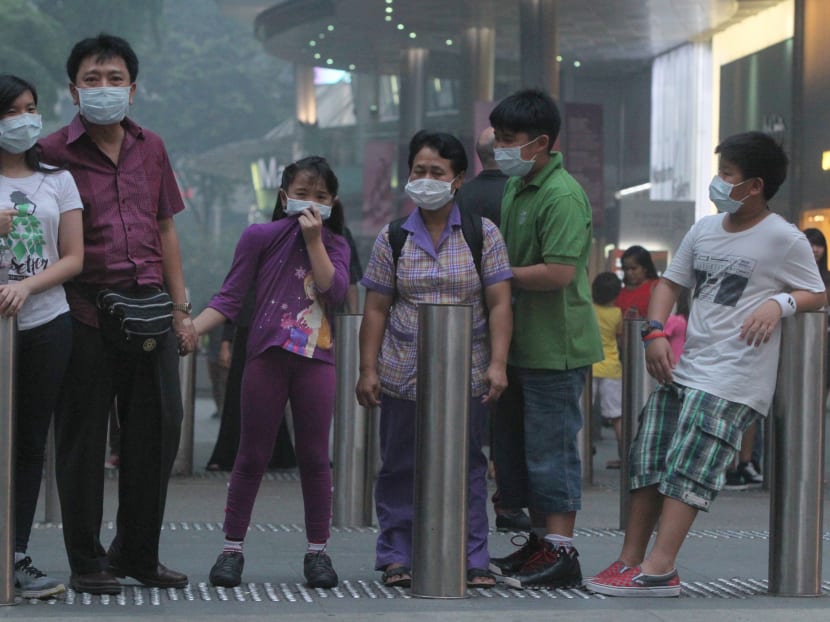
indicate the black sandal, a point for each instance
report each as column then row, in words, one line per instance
column 480, row 573
column 399, row 576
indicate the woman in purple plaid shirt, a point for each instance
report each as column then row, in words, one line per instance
column 435, row 267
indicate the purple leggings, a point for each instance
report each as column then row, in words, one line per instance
column 269, row 381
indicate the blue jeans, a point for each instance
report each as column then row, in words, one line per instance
column 535, row 440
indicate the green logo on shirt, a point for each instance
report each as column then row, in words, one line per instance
column 27, row 235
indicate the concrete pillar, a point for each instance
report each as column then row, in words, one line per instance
column 477, row 79
column 539, row 45
column 412, row 103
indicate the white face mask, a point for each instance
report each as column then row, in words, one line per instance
column 510, row 162
column 297, row 206
column 20, row 132
column 719, row 191
column 104, row 105
column 430, row 194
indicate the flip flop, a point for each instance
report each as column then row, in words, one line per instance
column 480, row 573
column 399, row 576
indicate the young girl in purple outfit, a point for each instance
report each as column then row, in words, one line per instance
column 299, row 266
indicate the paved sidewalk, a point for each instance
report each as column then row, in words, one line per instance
column 723, row 565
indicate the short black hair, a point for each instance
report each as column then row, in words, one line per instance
column 757, row 155
column 103, row 47
column 530, row 110
column 605, row 288
column 446, row 145
column 317, row 167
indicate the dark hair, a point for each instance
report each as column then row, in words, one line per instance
column 446, row 145
column 643, row 258
column 103, row 47
column 12, row 87
column 529, row 110
column 816, row 238
column 605, row 288
column 757, row 155
column 318, row 168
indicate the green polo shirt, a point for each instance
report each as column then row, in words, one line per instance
column 549, row 221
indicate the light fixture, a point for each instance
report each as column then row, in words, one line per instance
column 825, row 161
column 352, row 67
column 577, row 63
column 329, row 61
column 448, row 41
column 624, row 192
column 317, row 55
column 412, row 35
column 330, row 27
column 312, row 43
column 558, row 58
column 389, row 9
column 388, row 18
column 401, row 26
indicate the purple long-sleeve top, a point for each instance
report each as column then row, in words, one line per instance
column 289, row 311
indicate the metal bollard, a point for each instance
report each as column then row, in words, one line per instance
column 439, row 541
column 183, row 464
column 8, row 364
column 353, row 427
column 637, row 386
column 51, row 501
column 796, row 502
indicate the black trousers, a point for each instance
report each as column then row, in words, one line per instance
column 42, row 357
column 150, row 412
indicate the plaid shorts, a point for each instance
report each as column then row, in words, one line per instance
column 686, row 440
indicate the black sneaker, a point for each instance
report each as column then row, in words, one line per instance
column 512, row 520
column 549, row 567
column 514, row 562
column 227, row 571
column 318, row 570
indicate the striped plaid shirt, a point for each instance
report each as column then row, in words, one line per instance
column 432, row 274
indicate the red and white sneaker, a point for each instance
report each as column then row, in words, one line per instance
column 632, row 582
column 613, row 570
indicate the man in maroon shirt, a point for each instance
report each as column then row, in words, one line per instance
column 131, row 245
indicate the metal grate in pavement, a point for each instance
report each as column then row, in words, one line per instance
column 295, row 594
column 714, row 534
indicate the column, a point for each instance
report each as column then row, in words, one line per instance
column 412, row 103
column 539, row 45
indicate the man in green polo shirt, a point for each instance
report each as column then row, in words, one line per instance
column 546, row 223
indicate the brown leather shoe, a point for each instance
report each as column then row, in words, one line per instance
column 101, row 582
column 162, row 577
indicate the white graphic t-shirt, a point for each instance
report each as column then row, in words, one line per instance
column 731, row 275
column 39, row 199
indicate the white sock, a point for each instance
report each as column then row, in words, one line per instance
column 232, row 546
column 313, row 547
column 556, row 540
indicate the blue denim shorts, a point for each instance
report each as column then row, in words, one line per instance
column 686, row 440
column 535, row 440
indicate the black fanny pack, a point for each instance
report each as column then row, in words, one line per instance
column 134, row 322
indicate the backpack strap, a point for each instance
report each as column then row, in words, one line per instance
column 471, row 229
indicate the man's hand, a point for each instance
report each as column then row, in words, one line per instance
column 758, row 327
column 659, row 359
column 185, row 334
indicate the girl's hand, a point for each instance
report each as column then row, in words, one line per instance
column 311, row 224
column 496, row 377
column 6, row 216
column 12, row 297
column 368, row 389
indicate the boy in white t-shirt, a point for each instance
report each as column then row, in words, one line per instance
column 747, row 268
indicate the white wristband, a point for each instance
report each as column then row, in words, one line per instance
column 787, row 304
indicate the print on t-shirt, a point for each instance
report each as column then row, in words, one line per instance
column 722, row 280
column 26, row 238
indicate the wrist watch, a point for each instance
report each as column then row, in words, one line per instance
column 649, row 327
column 184, row 307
